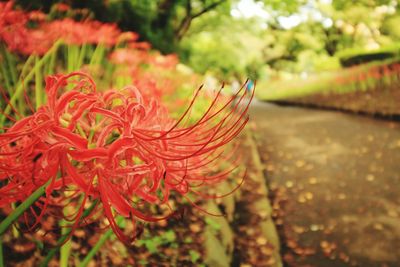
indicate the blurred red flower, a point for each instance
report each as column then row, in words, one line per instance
column 20, row 38
column 61, row 7
column 12, row 26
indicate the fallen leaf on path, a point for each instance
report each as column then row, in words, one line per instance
column 298, row 229
column 291, row 243
column 300, row 163
column 370, row 177
column 194, row 227
column 289, row 184
column 312, row 180
column 301, row 199
column 309, row 195
column 393, row 213
column 378, row 226
column 261, row 241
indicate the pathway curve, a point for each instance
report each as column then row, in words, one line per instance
column 335, row 181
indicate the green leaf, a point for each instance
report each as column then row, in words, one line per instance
column 213, row 224
column 169, row 236
column 151, row 246
column 194, row 255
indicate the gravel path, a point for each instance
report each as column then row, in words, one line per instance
column 335, row 181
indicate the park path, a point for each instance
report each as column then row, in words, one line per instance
column 335, row 184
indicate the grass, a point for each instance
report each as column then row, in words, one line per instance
column 369, row 88
column 345, row 81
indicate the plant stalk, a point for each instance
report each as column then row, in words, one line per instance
column 10, row 219
column 99, row 244
column 64, row 237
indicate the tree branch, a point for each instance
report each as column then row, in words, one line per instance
column 207, row 8
column 187, row 20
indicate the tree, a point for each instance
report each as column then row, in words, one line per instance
column 163, row 22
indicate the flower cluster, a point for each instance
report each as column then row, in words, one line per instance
column 20, row 38
column 113, row 147
column 154, row 77
column 13, row 29
column 362, row 73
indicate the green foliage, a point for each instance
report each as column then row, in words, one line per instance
column 352, row 57
column 391, row 27
column 284, row 7
column 194, row 256
column 153, row 242
column 208, row 39
column 145, row 18
column 343, row 4
column 213, row 224
column 224, row 46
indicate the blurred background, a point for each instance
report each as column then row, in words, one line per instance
column 323, row 143
column 258, row 39
column 295, row 48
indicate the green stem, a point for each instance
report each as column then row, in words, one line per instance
column 11, row 66
column 38, row 84
column 64, row 237
column 109, row 72
column 91, row 135
column 99, row 244
column 6, row 78
column 23, row 207
column 81, row 131
column 72, row 61
column 71, row 51
column 65, row 250
column 81, row 57
column 14, row 229
column 1, row 253
column 52, row 63
column 26, row 66
column 29, row 76
column 97, row 55
column 6, row 68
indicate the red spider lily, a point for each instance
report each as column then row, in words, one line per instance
column 37, row 15
column 156, row 82
column 83, row 32
column 140, row 45
column 115, row 147
column 61, row 7
column 166, row 62
column 15, row 34
column 12, row 26
column 130, row 57
column 128, row 37
column 20, row 38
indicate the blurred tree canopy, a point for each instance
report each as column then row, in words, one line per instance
column 293, row 36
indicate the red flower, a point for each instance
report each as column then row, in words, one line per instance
column 61, row 7
column 38, row 40
column 128, row 37
column 37, row 15
column 165, row 61
column 84, row 32
column 130, row 57
column 12, row 26
column 115, row 147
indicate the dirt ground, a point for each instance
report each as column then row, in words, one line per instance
column 335, row 179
